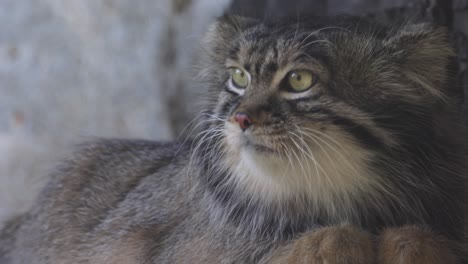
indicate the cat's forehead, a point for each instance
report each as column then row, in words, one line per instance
column 285, row 36
column 268, row 40
column 263, row 50
column 265, row 47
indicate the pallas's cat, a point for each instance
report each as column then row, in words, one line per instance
column 322, row 141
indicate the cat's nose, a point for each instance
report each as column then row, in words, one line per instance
column 243, row 120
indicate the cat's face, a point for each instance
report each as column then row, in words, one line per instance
column 305, row 108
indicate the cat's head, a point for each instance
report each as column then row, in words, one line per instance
column 305, row 108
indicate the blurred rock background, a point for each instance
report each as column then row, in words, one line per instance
column 122, row 68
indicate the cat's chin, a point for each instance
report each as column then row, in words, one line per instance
column 265, row 172
column 259, row 165
column 258, row 148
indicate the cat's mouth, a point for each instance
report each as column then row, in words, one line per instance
column 248, row 140
column 249, row 143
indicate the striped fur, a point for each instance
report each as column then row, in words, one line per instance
column 378, row 142
column 367, row 166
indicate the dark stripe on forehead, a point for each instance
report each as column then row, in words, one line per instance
column 270, row 67
column 257, row 68
column 234, row 52
column 275, row 51
column 259, row 49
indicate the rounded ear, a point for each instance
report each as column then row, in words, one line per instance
column 427, row 57
column 217, row 44
column 225, row 29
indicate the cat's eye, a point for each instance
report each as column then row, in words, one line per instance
column 239, row 77
column 301, row 80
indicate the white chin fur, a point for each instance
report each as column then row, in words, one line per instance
column 337, row 174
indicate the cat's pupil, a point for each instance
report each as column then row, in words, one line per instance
column 298, row 77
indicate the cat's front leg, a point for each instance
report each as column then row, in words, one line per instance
column 332, row 245
column 413, row 245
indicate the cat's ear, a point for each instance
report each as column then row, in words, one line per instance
column 226, row 28
column 426, row 57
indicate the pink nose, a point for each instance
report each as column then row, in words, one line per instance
column 243, row 120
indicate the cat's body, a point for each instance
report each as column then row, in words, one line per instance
column 364, row 162
column 139, row 210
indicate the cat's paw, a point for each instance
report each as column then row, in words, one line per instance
column 413, row 245
column 333, row 245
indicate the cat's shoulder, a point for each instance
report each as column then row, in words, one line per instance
column 128, row 150
column 106, row 169
column 100, row 183
column 127, row 153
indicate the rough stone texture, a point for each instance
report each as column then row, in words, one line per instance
column 121, row 68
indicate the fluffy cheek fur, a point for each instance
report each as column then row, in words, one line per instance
column 322, row 168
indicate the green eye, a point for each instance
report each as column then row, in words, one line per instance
column 301, row 80
column 239, row 77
